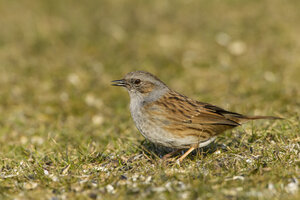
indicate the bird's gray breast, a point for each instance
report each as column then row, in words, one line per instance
column 139, row 115
column 150, row 129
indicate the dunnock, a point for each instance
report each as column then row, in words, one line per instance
column 170, row 119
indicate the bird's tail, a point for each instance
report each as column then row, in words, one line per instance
column 262, row 117
column 245, row 118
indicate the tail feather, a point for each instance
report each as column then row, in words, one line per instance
column 244, row 118
column 262, row 117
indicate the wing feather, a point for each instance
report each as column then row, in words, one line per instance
column 184, row 116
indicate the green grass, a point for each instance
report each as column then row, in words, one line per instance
column 65, row 133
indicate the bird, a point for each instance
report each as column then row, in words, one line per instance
column 170, row 119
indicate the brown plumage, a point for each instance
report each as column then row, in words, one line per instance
column 189, row 117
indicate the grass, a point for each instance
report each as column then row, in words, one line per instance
column 65, row 133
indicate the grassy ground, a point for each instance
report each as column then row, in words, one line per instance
column 65, row 133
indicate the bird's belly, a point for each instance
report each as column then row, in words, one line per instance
column 153, row 131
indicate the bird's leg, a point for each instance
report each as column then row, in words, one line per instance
column 186, row 153
column 170, row 154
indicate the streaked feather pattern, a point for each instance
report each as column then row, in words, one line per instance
column 187, row 117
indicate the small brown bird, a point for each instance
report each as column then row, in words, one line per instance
column 170, row 119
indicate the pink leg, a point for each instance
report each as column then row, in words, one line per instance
column 170, row 154
column 186, row 154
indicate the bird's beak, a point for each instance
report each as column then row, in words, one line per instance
column 121, row 82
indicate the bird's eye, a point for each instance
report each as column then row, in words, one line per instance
column 137, row 81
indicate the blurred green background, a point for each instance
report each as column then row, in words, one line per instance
column 57, row 59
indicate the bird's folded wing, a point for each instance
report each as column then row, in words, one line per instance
column 184, row 116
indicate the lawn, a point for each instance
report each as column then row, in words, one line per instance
column 66, row 133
